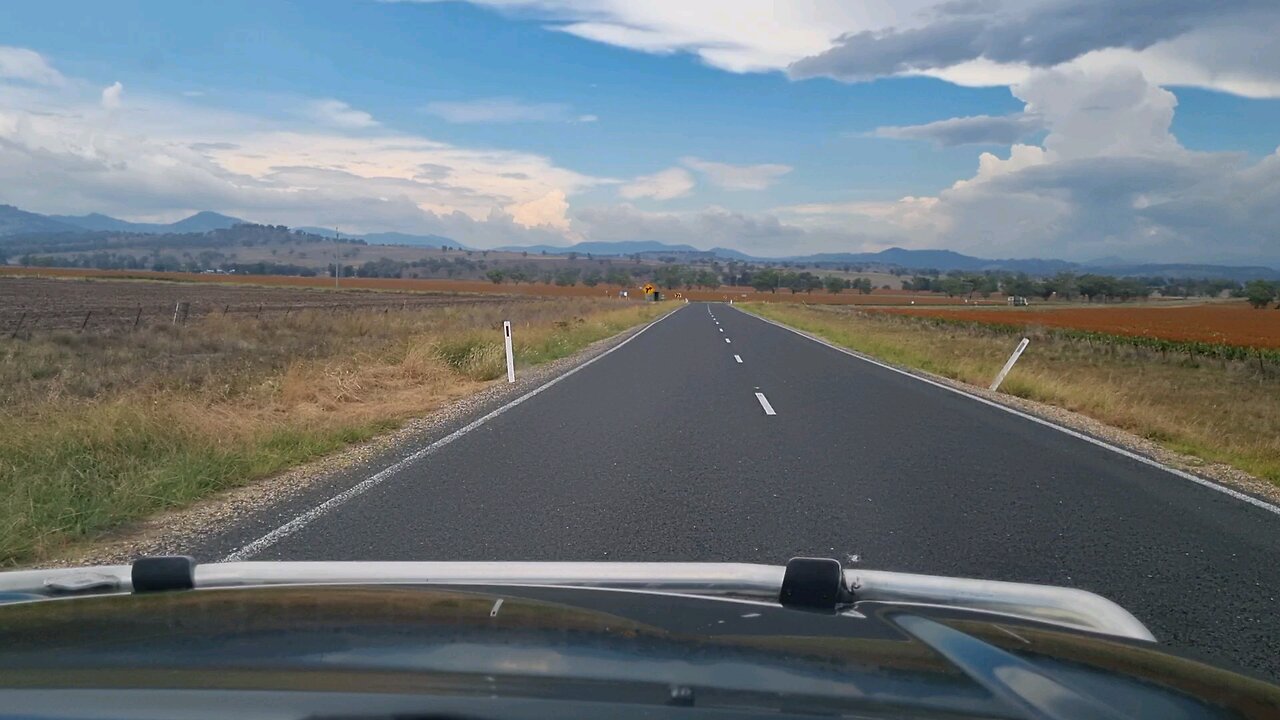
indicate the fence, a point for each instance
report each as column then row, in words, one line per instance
column 16, row 324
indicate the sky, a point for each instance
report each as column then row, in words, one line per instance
column 1145, row 130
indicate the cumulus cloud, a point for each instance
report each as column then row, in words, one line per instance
column 1110, row 178
column 763, row 234
column 737, row 177
column 1227, row 45
column 666, row 184
column 111, row 96
column 503, row 110
column 339, row 114
column 974, row 130
column 28, row 66
column 58, row 154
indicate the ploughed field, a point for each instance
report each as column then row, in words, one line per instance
column 30, row 304
column 1229, row 323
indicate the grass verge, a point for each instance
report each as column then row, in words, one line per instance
column 100, row 429
column 1220, row 411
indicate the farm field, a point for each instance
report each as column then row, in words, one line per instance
column 101, row 427
column 414, row 285
column 30, row 304
column 1227, row 323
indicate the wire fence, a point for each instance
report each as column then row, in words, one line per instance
column 20, row 323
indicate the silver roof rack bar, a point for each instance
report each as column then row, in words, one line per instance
column 1062, row 606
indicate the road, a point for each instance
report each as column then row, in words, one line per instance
column 714, row 435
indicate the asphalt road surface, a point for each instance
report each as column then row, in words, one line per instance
column 716, row 436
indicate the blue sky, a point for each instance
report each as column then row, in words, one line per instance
column 741, row 124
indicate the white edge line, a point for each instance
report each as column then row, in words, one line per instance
column 1262, row 504
column 764, row 403
column 310, row 516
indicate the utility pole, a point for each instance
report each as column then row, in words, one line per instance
column 337, row 248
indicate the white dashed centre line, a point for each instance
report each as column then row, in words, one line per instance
column 737, row 358
column 764, row 403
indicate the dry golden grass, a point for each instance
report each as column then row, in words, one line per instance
column 1220, row 411
column 98, row 429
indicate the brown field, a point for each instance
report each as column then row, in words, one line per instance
column 723, row 294
column 1230, row 323
column 29, row 304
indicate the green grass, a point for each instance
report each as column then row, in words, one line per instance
column 98, row 430
column 1216, row 410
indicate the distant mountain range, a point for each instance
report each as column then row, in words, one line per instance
column 389, row 238
column 200, row 222
column 14, row 221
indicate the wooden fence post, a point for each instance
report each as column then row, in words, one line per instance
column 18, row 327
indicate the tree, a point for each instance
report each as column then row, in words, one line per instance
column 767, row 279
column 833, row 284
column 955, row 285
column 618, row 276
column 808, row 282
column 495, row 276
column 1259, row 293
column 568, row 276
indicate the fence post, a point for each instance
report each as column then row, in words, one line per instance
column 18, row 327
column 86, row 320
column 995, row 385
column 511, row 362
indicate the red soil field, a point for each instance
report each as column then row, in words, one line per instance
column 878, row 297
column 1234, row 323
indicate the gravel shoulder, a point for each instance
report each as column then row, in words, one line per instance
column 213, row 527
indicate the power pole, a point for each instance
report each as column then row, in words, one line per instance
column 337, row 245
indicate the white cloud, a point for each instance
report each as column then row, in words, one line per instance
column 60, row 152
column 111, row 96
column 974, row 130
column 1227, row 45
column 550, row 210
column 737, row 177
column 1110, row 179
column 28, row 66
column 666, row 184
column 763, row 234
column 503, row 110
column 340, row 115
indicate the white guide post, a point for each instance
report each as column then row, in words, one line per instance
column 511, row 360
column 995, row 384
